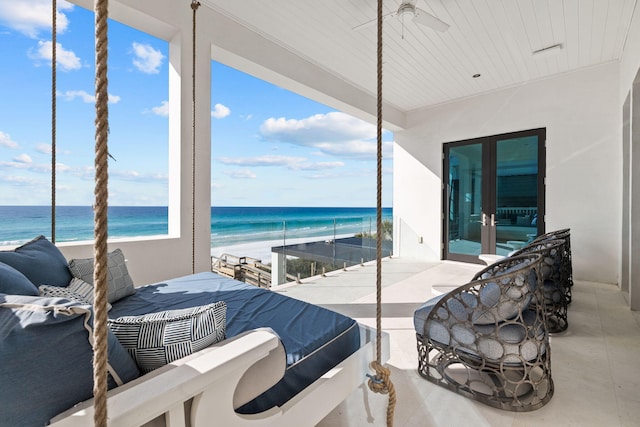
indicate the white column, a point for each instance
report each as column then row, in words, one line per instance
column 278, row 276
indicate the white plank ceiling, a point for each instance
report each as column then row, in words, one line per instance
column 424, row 67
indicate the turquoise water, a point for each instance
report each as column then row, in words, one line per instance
column 229, row 225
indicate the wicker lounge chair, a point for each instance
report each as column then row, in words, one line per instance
column 567, row 263
column 487, row 340
column 554, row 253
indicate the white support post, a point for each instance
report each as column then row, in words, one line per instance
column 277, row 271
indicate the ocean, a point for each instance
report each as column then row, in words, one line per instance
column 229, row 225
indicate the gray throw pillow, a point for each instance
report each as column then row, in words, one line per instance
column 119, row 280
column 15, row 283
column 40, row 261
column 155, row 339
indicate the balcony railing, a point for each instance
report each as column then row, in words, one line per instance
column 306, row 247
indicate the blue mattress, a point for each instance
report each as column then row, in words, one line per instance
column 315, row 339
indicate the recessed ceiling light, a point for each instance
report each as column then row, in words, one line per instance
column 475, row 76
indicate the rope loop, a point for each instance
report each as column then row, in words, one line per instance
column 381, row 383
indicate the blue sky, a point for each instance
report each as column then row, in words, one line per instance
column 270, row 147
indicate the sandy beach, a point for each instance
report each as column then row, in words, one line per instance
column 262, row 250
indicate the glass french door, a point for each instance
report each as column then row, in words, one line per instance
column 493, row 194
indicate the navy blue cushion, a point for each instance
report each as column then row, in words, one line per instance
column 41, row 261
column 46, row 358
column 14, row 282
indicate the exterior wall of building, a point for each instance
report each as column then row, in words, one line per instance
column 582, row 114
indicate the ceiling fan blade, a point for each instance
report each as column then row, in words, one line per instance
column 424, row 18
column 373, row 21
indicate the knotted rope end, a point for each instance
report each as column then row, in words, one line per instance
column 379, row 383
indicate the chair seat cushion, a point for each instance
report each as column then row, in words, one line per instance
column 507, row 342
column 483, row 308
column 553, row 293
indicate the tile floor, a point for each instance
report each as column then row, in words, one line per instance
column 595, row 363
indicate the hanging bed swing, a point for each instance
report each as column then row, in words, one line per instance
column 231, row 353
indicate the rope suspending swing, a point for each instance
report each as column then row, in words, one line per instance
column 380, row 383
column 100, row 217
column 194, row 6
column 54, row 73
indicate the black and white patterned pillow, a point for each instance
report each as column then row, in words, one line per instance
column 119, row 280
column 155, row 339
column 78, row 290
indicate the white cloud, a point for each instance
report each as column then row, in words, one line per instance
column 147, row 59
column 29, row 17
column 292, row 163
column 319, row 166
column 262, row 161
column 16, row 180
column 131, row 175
column 162, row 110
column 25, row 162
column 44, row 148
column 241, row 174
column 23, row 158
column 356, row 149
column 330, row 127
column 220, row 111
column 86, row 97
column 22, row 164
column 335, row 133
column 66, row 60
column 6, row 141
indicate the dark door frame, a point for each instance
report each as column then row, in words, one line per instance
column 489, row 186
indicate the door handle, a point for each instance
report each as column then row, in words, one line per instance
column 493, row 220
column 484, row 220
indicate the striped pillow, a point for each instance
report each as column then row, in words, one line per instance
column 78, row 290
column 155, row 339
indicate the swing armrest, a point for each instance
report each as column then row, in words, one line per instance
column 201, row 388
column 239, row 369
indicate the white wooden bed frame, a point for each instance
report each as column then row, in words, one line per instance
column 199, row 390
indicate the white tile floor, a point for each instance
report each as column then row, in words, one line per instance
column 595, row 363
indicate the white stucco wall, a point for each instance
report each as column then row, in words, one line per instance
column 630, row 62
column 629, row 70
column 582, row 114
